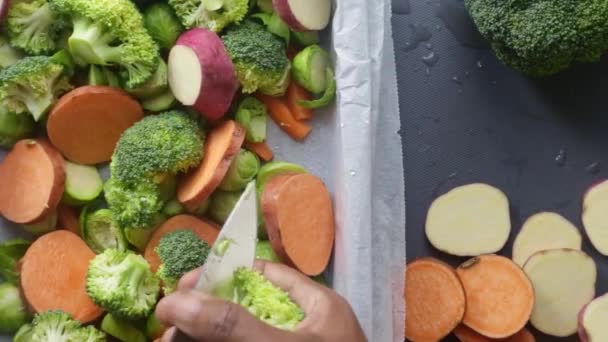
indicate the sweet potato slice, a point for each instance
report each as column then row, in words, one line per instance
column 592, row 320
column 53, row 276
column 469, row 220
column 300, row 222
column 499, row 296
column 87, row 122
column 32, row 179
column 545, row 231
column 434, row 300
column 208, row 232
column 564, row 281
column 466, row 334
column 222, row 145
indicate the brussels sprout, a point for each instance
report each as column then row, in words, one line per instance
column 264, row 251
column 222, row 203
column 162, row 24
column 312, row 70
column 160, row 102
column 252, row 114
column 13, row 313
column 14, row 127
column 243, row 170
column 275, row 25
column 139, row 237
column 83, row 184
column 202, row 209
column 48, row 224
column 265, row 6
column 10, row 253
column 156, row 85
column 99, row 230
column 305, row 38
column 173, row 208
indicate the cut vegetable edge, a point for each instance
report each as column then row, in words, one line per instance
column 83, row 183
column 469, row 220
column 495, row 281
column 435, row 300
column 592, row 320
column 595, row 206
column 544, row 231
column 557, row 307
column 186, row 76
column 304, row 15
column 598, row 190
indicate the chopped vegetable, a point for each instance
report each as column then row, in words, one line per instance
column 265, row 5
column 243, row 170
column 222, row 146
column 32, row 85
column 173, row 208
column 156, row 84
column 554, row 273
column 63, row 287
column 8, row 54
column 469, row 220
column 139, row 238
column 162, row 24
column 34, row 27
column 305, row 38
column 11, row 252
column 213, row 15
column 492, row 281
column 205, row 231
column 100, row 232
column 304, row 15
column 301, row 232
column 275, row 25
column 259, row 58
column 312, row 70
column 252, row 114
column 161, row 102
column 435, row 300
column 595, row 205
column 110, row 32
column 83, row 184
column 96, row 76
column 296, row 94
column 87, row 122
column 122, row 283
column 466, row 334
column 13, row 313
column 222, row 203
column 68, row 218
column 284, row 118
column 180, row 252
column 201, row 73
column 592, row 320
column 121, row 329
column 24, row 334
column 32, row 180
column 545, row 231
column 261, row 149
column 45, row 225
column 264, row 251
column 154, row 328
column 60, row 326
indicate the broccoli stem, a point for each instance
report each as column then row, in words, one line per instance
column 92, row 45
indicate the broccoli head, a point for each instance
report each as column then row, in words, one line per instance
column 213, row 15
column 34, row 27
column 32, row 85
column 122, row 283
column 542, row 37
column 259, row 57
column 110, row 32
column 264, row 300
column 134, row 206
column 180, row 252
column 58, row 326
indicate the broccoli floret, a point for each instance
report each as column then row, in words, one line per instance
column 180, row 252
column 54, row 326
column 133, row 206
column 542, row 37
column 122, row 283
column 8, row 54
column 259, row 58
column 264, row 300
column 110, row 32
column 34, row 27
column 214, row 15
column 32, row 85
column 89, row 334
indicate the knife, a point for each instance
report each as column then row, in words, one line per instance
column 234, row 247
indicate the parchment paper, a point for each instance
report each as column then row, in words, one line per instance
column 356, row 149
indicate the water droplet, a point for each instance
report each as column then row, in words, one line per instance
column 341, row 125
column 594, row 168
column 419, row 34
column 456, row 18
column 453, row 175
column 479, row 64
column 429, row 46
column 352, row 173
column 430, row 59
column 560, row 158
column 456, row 80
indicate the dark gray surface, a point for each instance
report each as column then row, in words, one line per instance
column 495, row 126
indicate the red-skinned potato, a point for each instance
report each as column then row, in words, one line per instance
column 201, row 73
column 4, row 5
column 304, row 15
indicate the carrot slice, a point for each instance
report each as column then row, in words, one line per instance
column 32, row 179
column 87, row 122
column 296, row 93
column 68, row 218
column 208, row 232
column 435, row 300
column 499, row 295
column 53, row 275
column 261, row 149
column 466, row 334
column 222, row 145
column 280, row 113
column 300, row 221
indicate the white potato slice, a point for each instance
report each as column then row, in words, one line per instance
column 544, row 231
column 469, row 220
column 595, row 218
column 564, row 281
column 592, row 320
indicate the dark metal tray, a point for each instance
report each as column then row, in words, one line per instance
column 468, row 118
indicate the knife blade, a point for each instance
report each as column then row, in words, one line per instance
column 234, row 248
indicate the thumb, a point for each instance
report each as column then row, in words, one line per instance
column 205, row 318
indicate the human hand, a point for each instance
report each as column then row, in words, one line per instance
column 329, row 317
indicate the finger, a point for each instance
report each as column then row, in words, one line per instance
column 189, row 279
column 168, row 335
column 300, row 288
column 203, row 317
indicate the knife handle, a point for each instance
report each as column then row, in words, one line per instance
column 179, row 336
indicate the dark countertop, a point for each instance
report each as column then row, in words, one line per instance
column 471, row 119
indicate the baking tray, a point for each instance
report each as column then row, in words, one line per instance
column 471, row 119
